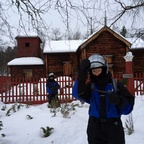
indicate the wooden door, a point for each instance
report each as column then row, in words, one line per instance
column 67, row 69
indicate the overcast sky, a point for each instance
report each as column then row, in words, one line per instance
column 76, row 21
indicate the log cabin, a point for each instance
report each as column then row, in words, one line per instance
column 63, row 57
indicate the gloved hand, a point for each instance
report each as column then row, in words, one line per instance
column 114, row 98
column 83, row 71
column 85, row 65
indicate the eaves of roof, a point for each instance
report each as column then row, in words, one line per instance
column 105, row 28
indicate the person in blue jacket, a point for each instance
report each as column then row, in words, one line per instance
column 52, row 87
column 106, row 104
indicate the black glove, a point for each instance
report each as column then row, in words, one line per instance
column 83, row 71
column 114, row 98
column 85, row 65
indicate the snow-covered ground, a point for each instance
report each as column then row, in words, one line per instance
column 24, row 125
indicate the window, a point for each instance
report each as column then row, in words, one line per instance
column 27, row 44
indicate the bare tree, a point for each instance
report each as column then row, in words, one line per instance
column 71, row 10
column 135, row 9
column 77, row 35
column 3, row 35
column 34, row 11
column 56, row 34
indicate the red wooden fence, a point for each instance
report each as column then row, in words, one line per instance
column 34, row 91
column 139, row 84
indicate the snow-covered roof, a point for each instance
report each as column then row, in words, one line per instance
column 105, row 28
column 61, row 46
column 137, row 43
column 26, row 61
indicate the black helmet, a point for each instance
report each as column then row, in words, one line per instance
column 97, row 61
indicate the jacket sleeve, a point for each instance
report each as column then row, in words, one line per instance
column 81, row 91
column 127, row 100
column 48, row 88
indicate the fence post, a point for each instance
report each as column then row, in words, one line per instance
column 129, row 71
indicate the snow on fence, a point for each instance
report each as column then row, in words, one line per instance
column 34, row 91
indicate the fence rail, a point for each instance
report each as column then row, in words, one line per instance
column 139, row 83
column 34, row 91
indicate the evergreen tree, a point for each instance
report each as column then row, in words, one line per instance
column 123, row 31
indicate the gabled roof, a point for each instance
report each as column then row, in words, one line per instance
column 63, row 46
column 105, row 28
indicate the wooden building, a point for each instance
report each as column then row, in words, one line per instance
column 63, row 57
column 28, row 63
column 110, row 44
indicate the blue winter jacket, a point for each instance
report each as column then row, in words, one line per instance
column 112, row 111
column 52, row 87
